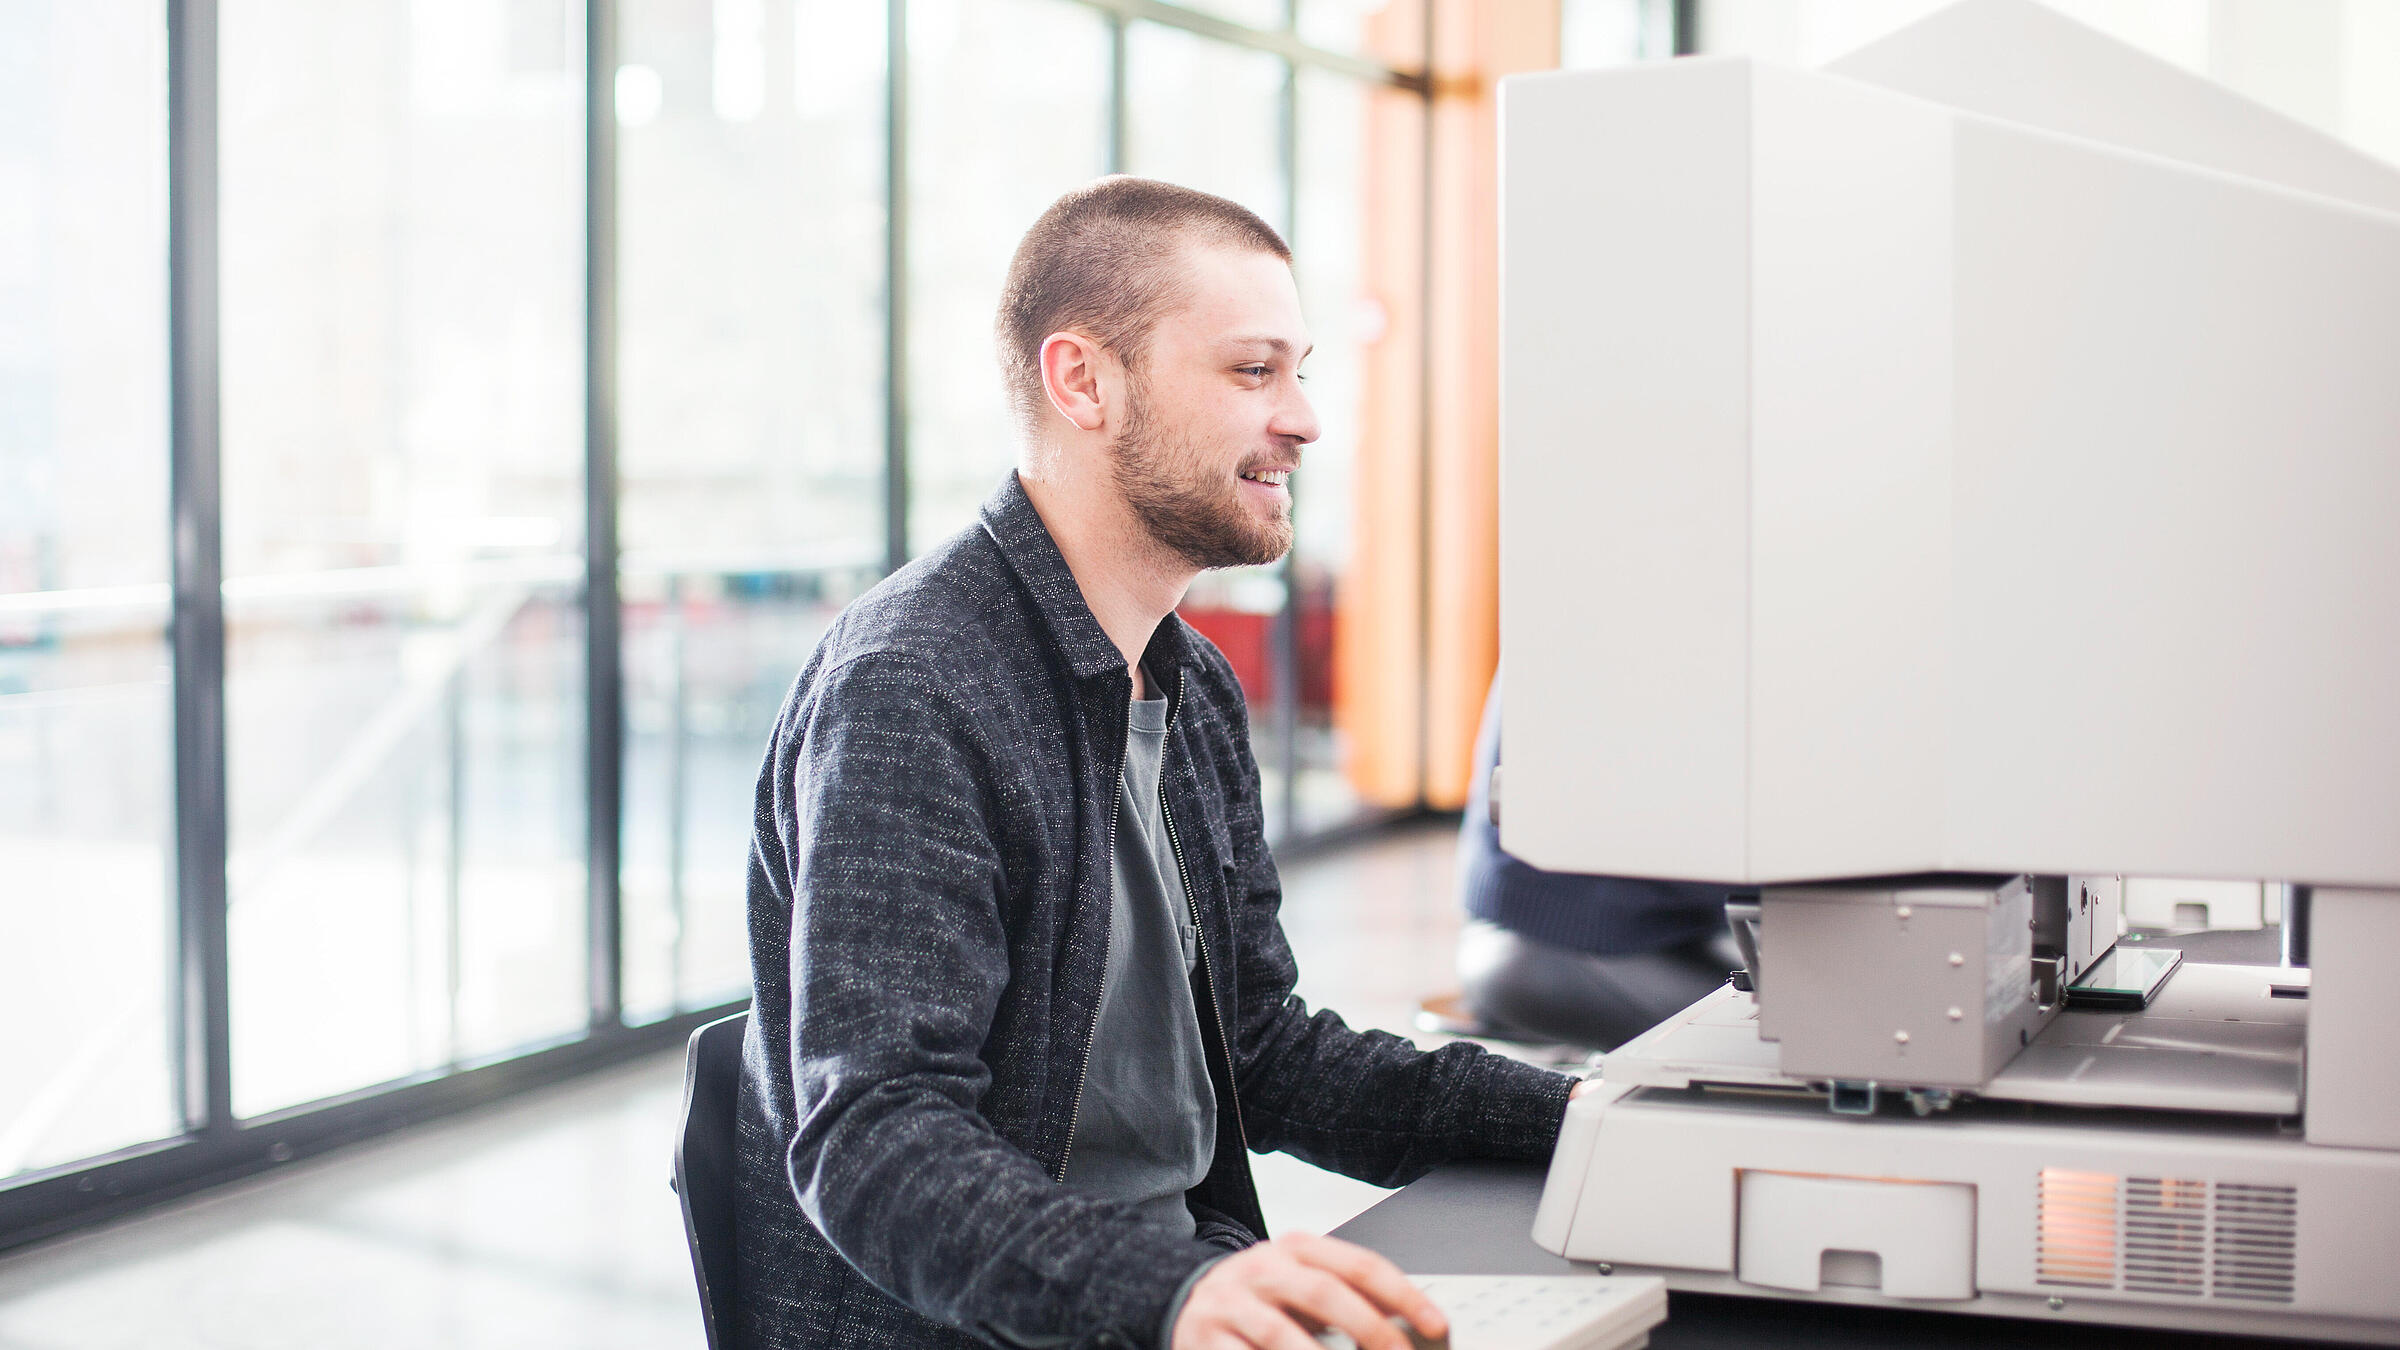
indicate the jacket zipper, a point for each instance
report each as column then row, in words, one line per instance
column 1191, row 900
column 1107, row 934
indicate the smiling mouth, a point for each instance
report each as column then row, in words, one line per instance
column 1269, row 477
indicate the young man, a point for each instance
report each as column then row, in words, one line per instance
column 1022, row 996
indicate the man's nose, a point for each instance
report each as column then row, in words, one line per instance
column 1296, row 418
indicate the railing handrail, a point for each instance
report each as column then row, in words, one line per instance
column 353, row 583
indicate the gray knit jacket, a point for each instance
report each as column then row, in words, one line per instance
column 929, row 913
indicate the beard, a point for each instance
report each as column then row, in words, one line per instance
column 1197, row 515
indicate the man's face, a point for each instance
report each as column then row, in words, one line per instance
column 1214, row 414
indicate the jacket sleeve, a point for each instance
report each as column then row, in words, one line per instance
column 1367, row 1104
column 883, row 838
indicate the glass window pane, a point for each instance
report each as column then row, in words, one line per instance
column 1390, row 31
column 86, row 742
column 403, row 299
column 989, row 148
column 1210, row 115
column 1358, row 244
column 1805, row 32
column 750, row 261
column 1206, row 114
column 1598, row 33
column 2371, row 77
column 1263, row 14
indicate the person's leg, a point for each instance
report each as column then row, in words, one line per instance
column 1526, row 988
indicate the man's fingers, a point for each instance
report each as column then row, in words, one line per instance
column 1378, row 1279
column 1274, row 1294
column 1268, row 1328
column 1328, row 1300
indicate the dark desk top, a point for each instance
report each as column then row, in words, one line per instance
column 1477, row 1219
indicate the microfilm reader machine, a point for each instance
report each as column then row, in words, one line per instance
column 1935, row 488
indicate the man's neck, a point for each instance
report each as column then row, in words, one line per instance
column 1130, row 583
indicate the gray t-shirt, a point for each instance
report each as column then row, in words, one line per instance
column 1147, row 1128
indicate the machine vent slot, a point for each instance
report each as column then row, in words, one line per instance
column 2166, row 1236
column 2256, row 1237
column 2177, row 1236
column 2077, row 1217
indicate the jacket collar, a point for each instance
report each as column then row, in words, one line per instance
column 1025, row 543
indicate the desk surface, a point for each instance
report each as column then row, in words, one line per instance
column 1477, row 1219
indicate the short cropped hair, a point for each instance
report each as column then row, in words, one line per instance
column 1101, row 261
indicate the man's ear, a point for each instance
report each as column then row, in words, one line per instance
column 1071, row 371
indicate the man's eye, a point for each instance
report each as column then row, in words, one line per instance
column 1254, row 372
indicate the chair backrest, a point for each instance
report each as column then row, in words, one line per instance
column 712, row 1079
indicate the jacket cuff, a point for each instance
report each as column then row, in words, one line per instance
column 1166, row 1324
column 1130, row 1285
column 1522, row 1109
column 1146, row 1278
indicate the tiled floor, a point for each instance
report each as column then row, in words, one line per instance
column 547, row 1221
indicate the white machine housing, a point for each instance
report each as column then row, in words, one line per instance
column 1969, row 468
column 1890, row 488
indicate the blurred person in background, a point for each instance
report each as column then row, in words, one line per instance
column 1585, row 961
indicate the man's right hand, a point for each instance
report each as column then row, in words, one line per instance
column 1274, row 1295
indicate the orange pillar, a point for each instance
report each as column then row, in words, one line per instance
column 1379, row 686
column 1419, row 607
column 1475, row 43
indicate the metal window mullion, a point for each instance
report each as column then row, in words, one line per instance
column 895, row 272
column 1686, row 35
column 604, row 669
column 454, row 861
column 678, row 788
column 1117, row 103
column 203, row 1028
column 1284, row 645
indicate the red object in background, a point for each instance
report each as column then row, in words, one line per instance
column 1248, row 641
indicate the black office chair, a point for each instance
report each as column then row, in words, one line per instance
column 703, row 1180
